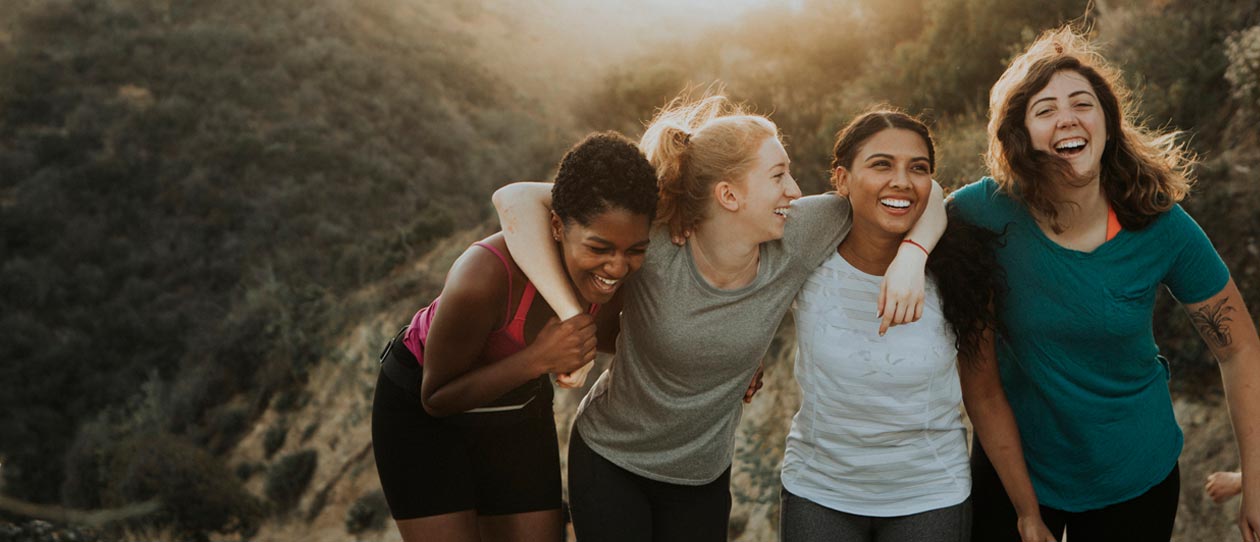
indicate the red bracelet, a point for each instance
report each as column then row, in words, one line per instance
column 911, row 241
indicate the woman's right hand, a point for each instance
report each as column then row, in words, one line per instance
column 564, row 347
column 902, row 292
column 574, row 379
column 1033, row 529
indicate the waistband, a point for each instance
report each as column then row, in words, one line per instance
column 404, row 370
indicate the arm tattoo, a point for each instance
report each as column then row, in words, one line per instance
column 1211, row 319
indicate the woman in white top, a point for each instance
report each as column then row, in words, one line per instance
column 878, row 449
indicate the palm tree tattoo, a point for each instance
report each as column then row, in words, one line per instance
column 1211, row 319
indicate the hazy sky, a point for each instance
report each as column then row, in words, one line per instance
column 713, row 10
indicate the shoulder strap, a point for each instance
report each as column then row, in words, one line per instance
column 516, row 328
column 507, row 310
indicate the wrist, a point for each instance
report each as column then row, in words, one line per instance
column 913, row 243
column 1028, row 513
column 911, row 252
column 532, row 364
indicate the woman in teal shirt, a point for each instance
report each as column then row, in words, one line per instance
column 1088, row 201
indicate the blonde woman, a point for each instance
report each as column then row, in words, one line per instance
column 651, row 449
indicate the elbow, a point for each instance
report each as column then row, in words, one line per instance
column 501, row 197
column 434, row 408
column 436, row 412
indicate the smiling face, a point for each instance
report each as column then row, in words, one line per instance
column 1065, row 119
column 766, row 193
column 599, row 256
column 888, row 184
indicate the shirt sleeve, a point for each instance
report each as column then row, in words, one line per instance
column 979, row 203
column 1197, row 271
column 815, row 227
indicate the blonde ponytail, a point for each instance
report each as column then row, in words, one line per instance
column 696, row 144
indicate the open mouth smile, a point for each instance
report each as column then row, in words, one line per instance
column 605, row 285
column 1070, row 147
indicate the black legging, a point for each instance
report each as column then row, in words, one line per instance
column 1148, row 517
column 609, row 503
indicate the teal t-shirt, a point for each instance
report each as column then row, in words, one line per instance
column 1078, row 360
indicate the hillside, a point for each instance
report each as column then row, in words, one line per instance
column 212, row 215
column 188, row 191
column 344, row 491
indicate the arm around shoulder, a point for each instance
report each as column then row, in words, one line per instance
column 525, row 216
column 903, row 290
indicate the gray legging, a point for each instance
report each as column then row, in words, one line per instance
column 802, row 520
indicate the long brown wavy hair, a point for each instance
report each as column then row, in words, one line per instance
column 1144, row 172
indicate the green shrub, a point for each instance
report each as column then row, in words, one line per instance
column 309, row 431
column 1243, row 73
column 289, row 477
column 288, row 400
column 247, row 470
column 198, row 493
column 229, row 425
column 368, row 512
column 273, row 439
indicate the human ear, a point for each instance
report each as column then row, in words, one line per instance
column 840, row 178
column 725, row 195
column 557, row 227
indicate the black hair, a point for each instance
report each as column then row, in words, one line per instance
column 881, row 117
column 971, row 282
column 602, row 172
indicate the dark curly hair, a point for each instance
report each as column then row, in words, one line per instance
column 971, row 282
column 604, row 171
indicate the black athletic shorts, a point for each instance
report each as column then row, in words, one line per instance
column 496, row 463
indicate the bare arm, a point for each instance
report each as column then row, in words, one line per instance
column 1225, row 324
column 901, row 294
column 931, row 226
column 455, row 377
column 999, row 436
column 525, row 215
column 607, row 327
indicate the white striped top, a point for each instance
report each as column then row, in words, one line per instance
column 880, row 429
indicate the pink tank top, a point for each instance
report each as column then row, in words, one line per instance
column 502, row 342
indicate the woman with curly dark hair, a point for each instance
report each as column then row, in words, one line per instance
column 462, row 423
column 878, row 448
column 1088, row 200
